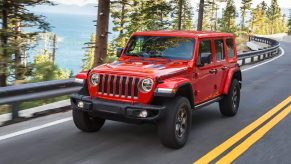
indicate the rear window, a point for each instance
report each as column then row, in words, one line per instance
column 219, row 50
column 230, row 48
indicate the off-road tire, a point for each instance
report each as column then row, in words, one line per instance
column 169, row 136
column 230, row 103
column 85, row 122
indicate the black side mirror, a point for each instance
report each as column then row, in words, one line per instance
column 119, row 51
column 205, row 58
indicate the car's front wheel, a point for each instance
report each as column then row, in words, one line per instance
column 85, row 122
column 230, row 102
column 174, row 128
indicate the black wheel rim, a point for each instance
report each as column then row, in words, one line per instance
column 235, row 98
column 181, row 122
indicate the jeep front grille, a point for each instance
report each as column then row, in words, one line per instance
column 118, row 86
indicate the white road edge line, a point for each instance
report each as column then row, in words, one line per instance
column 25, row 131
column 21, row 132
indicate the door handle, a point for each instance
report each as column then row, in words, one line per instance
column 213, row 71
column 224, row 68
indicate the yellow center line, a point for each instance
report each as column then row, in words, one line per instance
column 238, row 136
column 246, row 144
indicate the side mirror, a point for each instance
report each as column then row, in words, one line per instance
column 119, row 51
column 205, row 58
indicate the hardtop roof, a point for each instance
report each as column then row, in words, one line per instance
column 195, row 34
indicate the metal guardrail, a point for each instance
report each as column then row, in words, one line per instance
column 256, row 56
column 13, row 95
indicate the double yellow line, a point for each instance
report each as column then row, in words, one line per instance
column 248, row 142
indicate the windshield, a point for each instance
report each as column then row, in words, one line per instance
column 161, row 47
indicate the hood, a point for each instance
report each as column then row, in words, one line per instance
column 143, row 67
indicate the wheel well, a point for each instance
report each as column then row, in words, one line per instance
column 237, row 75
column 186, row 90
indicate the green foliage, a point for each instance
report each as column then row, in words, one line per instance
column 88, row 58
column 210, row 15
column 289, row 23
column 267, row 20
column 15, row 43
column 120, row 14
column 44, row 70
column 186, row 15
column 156, row 15
column 228, row 23
column 275, row 18
column 245, row 7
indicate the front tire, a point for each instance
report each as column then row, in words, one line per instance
column 174, row 128
column 230, row 102
column 85, row 122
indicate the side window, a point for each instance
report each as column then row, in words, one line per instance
column 204, row 56
column 219, row 50
column 230, row 48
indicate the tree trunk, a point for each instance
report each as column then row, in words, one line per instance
column 4, row 42
column 200, row 15
column 243, row 20
column 19, row 71
column 101, row 32
column 180, row 14
column 54, row 48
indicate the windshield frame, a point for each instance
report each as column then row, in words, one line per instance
column 165, row 57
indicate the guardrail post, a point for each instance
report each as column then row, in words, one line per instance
column 243, row 62
column 264, row 56
column 14, row 111
column 259, row 57
column 252, row 59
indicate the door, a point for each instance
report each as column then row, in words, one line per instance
column 204, row 74
column 220, row 64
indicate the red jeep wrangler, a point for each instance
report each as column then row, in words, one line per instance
column 161, row 77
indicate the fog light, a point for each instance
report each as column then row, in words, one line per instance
column 143, row 114
column 80, row 104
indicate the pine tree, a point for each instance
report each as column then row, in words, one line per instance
column 246, row 6
column 228, row 23
column 88, row 59
column 289, row 23
column 14, row 42
column 274, row 16
column 259, row 20
column 156, row 15
column 120, row 13
column 181, row 15
column 210, row 15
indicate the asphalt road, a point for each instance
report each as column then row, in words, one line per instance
column 263, row 88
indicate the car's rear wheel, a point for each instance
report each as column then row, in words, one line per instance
column 85, row 122
column 174, row 128
column 230, row 102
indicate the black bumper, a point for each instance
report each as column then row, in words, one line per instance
column 117, row 111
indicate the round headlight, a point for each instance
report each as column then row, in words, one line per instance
column 146, row 85
column 94, row 79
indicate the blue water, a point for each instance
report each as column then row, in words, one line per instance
column 73, row 31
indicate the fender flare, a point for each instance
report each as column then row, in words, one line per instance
column 232, row 73
column 176, row 86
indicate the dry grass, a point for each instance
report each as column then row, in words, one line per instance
column 4, row 109
column 241, row 41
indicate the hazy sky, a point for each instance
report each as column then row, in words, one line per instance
column 282, row 3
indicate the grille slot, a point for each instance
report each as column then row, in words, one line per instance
column 118, row 86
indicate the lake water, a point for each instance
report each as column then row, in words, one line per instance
column 73, row 31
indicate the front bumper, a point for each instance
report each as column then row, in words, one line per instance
column 117, row 111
